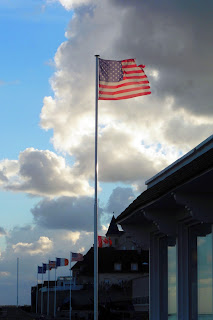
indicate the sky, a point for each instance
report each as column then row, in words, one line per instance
column 47, row 90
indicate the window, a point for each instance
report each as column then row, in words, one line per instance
column 204, row 275
column 134, row 266
column 172, row 288
column 117, row 266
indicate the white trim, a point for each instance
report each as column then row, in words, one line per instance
column 184, row 160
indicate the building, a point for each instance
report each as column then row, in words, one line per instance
column 173, row 218
column 121, row 268
column 62, row 294
column 122, row 240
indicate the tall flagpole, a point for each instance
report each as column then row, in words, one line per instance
column 42, row 290
column 37, row 293
column 55, row 291
column 96, row 197
column 17, row 278
column 70, row 285
column 48, row 293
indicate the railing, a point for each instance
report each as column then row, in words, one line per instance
column 62, row 288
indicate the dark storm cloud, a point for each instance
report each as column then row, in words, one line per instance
column 119, row 200
column 174, row 37
column 69, row 213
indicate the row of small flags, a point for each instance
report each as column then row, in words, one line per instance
column 59, row 262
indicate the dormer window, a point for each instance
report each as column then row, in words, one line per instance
column 117, row 266
column 134, row 266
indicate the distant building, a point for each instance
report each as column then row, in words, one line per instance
column 121, row 268
column 62, row 296
column 121, row 240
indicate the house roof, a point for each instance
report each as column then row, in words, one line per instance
column 113, row 228
column 188, row 171
column 108, row 256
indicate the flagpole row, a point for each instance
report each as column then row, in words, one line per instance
column 42, row 290
column 96, row 199
column 55, row 290
column 37, row 293
column 17, row 278
column 48, row 293
column 70, row 285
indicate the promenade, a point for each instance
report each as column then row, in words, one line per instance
column 14, row 313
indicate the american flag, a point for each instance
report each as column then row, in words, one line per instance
column 121, row 80
column 77, row 257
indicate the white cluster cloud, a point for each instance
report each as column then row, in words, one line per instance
column 70, row 4
column 141, row 136
column 43, row 245
column 42, row 172
column 73, row 236
column 4, row 274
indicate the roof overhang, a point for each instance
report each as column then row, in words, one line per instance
column 178, row 189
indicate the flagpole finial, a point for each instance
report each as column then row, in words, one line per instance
column 97, row 55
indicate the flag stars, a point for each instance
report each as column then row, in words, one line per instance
column 110, row 71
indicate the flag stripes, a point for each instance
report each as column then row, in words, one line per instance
column 121, row 97
column 76, row 256
column 52, row 265
column 110, row 85
column 61, row 262
column 133, row 81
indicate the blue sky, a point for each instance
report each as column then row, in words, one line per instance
column 29, row 39
column 47, row 80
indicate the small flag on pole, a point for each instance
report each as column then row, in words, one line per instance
column 44, row 267
column 41, row 270
column 122, row 80
column 77, row 257
column 104, row 242
column 60, row 262
column 52, row 265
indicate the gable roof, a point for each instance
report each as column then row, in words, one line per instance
column 113, row 228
